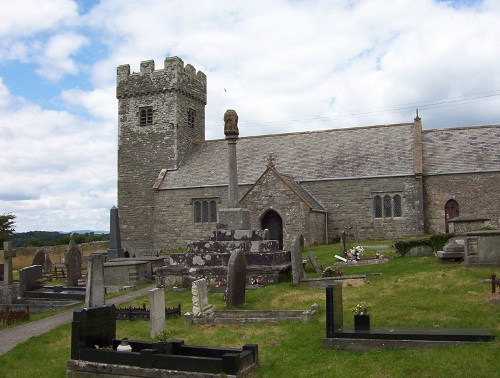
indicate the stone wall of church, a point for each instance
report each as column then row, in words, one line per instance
column 350, row 206
column 174, row 225
column 476, row 194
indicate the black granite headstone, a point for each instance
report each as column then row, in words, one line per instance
column 91, row 327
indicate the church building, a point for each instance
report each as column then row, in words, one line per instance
column 378, row 182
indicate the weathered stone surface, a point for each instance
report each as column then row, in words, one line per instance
column 73, row 261
column 236, row 279
column 201, row 306
column 95, row 290
column 297, row 266
column 157, row 311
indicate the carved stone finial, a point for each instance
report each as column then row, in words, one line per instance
column 270, row 161
column 231, row 123
column 417, row 118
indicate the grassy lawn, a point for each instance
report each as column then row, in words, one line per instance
column 410, row 292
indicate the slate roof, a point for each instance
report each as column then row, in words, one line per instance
column 374, row 151
column 465, row 149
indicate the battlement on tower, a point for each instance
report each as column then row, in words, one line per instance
column 173, row 77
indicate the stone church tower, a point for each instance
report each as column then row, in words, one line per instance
column 160, row 114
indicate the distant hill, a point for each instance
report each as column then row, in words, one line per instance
column 46, row 238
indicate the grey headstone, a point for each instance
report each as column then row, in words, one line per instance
column 297, row 265
column 95, row 292
column 73, row 261
column 157, row 311
column 201, row 306
column 236, row 279
column 30, row 278
column 342, row 243
column 312, row 259
column 42, row 258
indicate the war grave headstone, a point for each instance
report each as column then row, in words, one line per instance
column 157, row 311
column 236, row 279
column 73, row 261
column 95, row 290
column 297, row 265
column 350, row 338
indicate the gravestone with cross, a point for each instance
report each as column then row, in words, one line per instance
column 7, row 254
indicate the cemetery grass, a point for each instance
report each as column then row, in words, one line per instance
column 408, row 292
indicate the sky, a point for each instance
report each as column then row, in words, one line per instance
column 284, row 66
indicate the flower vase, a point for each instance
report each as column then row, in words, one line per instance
column 361, row 322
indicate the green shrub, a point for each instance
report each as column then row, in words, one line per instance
column 439, row 240
column 404, row 246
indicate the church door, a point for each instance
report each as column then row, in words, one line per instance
column 272, row 221
column 450, row 211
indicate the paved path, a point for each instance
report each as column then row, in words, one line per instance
column 13, row 336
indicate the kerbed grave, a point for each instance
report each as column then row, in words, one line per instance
column 94, row 352
column 345, row 337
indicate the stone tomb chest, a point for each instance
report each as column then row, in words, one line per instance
column 482, row 248
column 126, row 273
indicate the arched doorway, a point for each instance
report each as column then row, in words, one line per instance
column 272, row 221
column 450, row 211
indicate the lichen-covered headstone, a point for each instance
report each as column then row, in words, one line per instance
column 236, row 279
column 73, row 262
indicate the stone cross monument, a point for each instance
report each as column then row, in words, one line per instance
column 233, row 218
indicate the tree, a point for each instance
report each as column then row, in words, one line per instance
column 6, row 226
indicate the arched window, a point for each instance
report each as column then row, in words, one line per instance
column 197, row 212
column 377, row 207
column 387, row 206
column 397, row 205
column 213, row 211
column 205, row 211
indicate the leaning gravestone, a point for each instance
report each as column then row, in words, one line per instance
column 95, row 291
column 236, row 279
column 73, row 261
column 313, row 261
column 297, row 265
column 201, row 306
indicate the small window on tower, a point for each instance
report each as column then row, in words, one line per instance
column 191, row 117
column 146, row 115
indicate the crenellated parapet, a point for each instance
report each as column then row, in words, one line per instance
column 173, row 77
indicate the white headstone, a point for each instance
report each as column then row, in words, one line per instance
column 157, row 311
column 201, row 306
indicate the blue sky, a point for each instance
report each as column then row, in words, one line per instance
column 284, row 66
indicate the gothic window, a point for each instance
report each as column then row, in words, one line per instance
column 205, row 211
column 191, row 117
column 146, row 116
column 197, row 212
column 377, row 206
column 387, row 206
column 397, row 205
